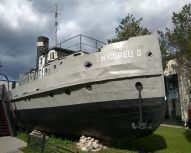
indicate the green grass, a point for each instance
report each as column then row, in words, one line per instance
column 22, row 136
column 163, row 140
column 29, row 150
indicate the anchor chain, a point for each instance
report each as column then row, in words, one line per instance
column 141, row 124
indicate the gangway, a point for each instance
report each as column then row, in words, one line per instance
column 7, row 115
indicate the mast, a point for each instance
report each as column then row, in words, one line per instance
column 56, row 23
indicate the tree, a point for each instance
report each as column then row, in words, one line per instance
column 129, row 27
column 178, row 40
column 176, row 43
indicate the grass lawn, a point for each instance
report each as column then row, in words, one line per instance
column 163, row 140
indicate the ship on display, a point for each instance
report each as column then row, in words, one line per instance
column 115, row 93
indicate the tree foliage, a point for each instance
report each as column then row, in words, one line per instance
column 129, row 27
column 177, row 41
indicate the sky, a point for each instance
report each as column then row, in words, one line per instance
column 22, row 21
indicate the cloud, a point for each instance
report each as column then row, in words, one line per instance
column 156, row 14
column 19, row 14
column 22, row 21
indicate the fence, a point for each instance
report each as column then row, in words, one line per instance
column 42, row 145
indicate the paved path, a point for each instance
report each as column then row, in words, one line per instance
column 10, row 144
column 174, row 126
column 171, row 123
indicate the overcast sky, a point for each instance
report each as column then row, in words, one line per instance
column 22, row 21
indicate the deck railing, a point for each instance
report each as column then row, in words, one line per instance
column 81, row 43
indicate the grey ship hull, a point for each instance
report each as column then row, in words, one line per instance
column 108, row 120
column 100, row 101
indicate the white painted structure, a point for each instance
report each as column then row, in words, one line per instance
column 52, row 55
column 183, row 73
column 11, row 84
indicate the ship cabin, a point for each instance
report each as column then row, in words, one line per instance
column 51, row 55
column 48, row 59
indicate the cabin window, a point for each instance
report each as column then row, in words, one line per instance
column 54, row 66
column 40, row 60
column 13, row 84
column 52, row 56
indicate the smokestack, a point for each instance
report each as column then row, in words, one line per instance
column 42, row 47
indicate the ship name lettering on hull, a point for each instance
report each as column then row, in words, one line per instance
column 120, row 55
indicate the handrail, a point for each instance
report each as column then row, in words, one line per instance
column 67, row 40
column 9, row 101
column 88, row 45
column 97, row 42
column 94, row 39
column 6, row 79
column 10, row 115
column 72, row 46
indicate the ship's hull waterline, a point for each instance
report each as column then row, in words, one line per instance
column 109, row 118
column 109, row 121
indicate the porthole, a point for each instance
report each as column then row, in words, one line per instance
column 67, row 91
column 89, row 87
column 51, row 94
column 149, row 53
column 88, row 64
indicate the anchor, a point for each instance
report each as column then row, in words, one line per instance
column 141, row 125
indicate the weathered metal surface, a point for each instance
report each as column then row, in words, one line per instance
column 95, row 94
column 119, row 60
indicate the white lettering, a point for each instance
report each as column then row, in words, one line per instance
column 103, row 58
column 120, row 55
column 125, row 54
column 139, row 52
column 114, row 56
column 130, row 53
